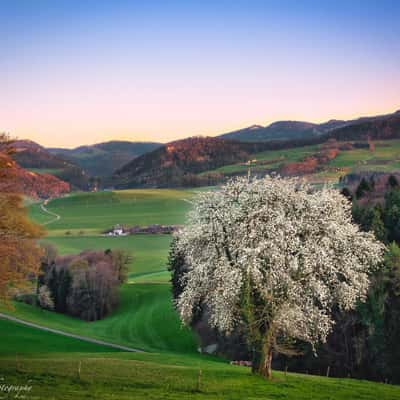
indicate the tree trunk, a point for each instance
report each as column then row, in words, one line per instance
column 262, row 363
column 265, row 367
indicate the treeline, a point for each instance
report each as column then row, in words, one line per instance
column 83, row 285
column 21, row 181
column 19, row 253
column 364, row 343
column 374, row 331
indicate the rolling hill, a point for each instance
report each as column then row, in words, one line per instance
column 202, row 161
column 102, row 159
column 37, row 159
column 290, row 130
column 64, row 368
column 31, row 184
column 177, row 163
column 281, row 130
column 377, row 128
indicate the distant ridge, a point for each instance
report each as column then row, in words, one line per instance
column 290, row 130
column 375, row 128
column 182, row 162
column 125, row 164
column 102, row 159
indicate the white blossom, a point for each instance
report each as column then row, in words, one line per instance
column 298, row 246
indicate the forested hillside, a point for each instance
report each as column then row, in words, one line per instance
column 30, row 183
column 177, row 163
column 102, row 159
column 36, row 158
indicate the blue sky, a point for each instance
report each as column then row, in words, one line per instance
column 75, row 72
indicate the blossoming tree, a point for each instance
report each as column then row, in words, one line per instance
column 275, row 257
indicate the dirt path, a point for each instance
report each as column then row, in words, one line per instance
column 58, row 332
column 44, row 209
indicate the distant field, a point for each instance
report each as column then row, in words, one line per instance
column 150, row 252
column 268, row 160
column 94, row 212
column 85, row 215
column 385, row 158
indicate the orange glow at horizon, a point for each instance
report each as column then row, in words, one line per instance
column 60, row 132
column 74, row 74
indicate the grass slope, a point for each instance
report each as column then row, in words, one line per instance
column 149, row 251
column 94, row 212
column 145, row 319
column 143, row 376
column 268, row 160
column 385, row 158
column 17, row 338
column 85, row 215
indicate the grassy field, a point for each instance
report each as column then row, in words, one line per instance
column 153, row 376
column 16, row 337
column 85, row 215
column 150, row 252
column 268, row 160
column 385, row 158
column 144, row 319
column 94, row 212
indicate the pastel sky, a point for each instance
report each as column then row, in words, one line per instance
column 82, row 71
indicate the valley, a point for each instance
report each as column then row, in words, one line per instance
column 200, row 200
column 145, row 319
column 156, row 187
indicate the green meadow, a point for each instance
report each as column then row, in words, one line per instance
column 145, row 319
column 385, row 158
column 59, row 367
column 150, row 252
column 153, row 376
column 94, row 212
column 268, row 160
column 17, row 337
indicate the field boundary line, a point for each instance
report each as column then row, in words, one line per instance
column 71, row 335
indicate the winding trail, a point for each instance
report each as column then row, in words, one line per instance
column 71, row 335
column 53, row 214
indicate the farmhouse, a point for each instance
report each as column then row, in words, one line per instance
column 117, row 231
